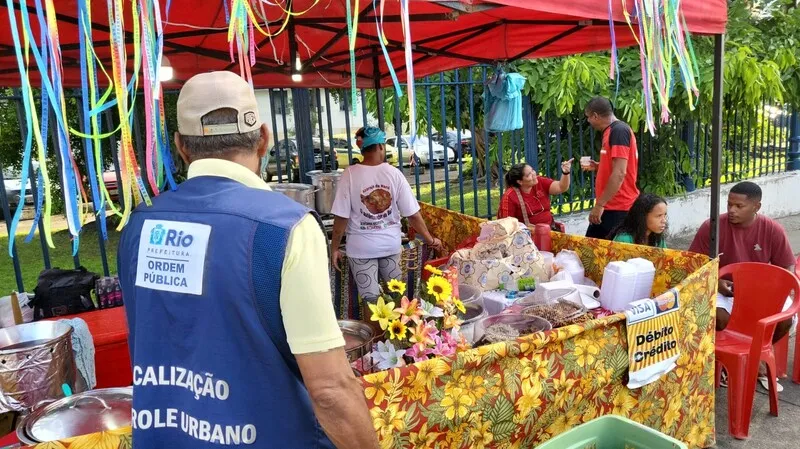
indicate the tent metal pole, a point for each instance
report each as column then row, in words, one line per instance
column 716, row 143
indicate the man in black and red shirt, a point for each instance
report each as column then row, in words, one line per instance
column 615, row 184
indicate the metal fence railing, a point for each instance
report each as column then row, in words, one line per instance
column 450, row 114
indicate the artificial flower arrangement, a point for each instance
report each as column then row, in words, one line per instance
column 420, row 328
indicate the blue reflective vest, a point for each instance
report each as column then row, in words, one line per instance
column 201, row 276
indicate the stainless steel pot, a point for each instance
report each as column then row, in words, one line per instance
column 35, row 360
column 358, row 338
column 326, row 184
column 80, row 414
column 302, row 193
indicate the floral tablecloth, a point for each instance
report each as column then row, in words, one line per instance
column 519, row 394
column 522, row 393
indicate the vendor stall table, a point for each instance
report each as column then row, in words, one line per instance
column 522, row 393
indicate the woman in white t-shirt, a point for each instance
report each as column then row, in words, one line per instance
column 371, row 199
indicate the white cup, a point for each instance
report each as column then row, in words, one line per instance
column 586, row 161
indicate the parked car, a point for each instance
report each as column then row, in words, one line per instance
column 285, row 152
column 422, row 150
column 461, row 146
column 13, row 187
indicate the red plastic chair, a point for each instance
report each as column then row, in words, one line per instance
column 761, row 291
column 781, row 348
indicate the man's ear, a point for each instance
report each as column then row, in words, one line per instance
column 758, row 206
column 263, row 142
column 182, row 150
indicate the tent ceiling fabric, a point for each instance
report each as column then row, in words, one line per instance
column 445, row 35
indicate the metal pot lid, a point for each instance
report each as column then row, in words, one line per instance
column 81, row 414
column 291, row 186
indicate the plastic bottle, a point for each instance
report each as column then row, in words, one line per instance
column 541, row 237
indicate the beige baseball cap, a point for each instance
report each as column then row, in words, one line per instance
column 207, row 92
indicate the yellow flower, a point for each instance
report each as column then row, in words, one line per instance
column 423, row 439
column 433, row 270
column 534, row 369
column 563, row 423
column 624, row 402
column 562, row 387
column 459, row 305
column 643, row 412
column 377, row 387
column 481, row 435
column 440, row 289
column 530, row 399
column 456, row 403
column 383, row 313
column 111, row 439
column 585, row 351
column 396, row 286
column 397, row 330
column 427, row 372
column 673, row 412
column 388, row 419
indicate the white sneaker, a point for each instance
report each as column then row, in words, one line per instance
column 765, row 383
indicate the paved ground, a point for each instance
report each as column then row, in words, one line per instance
column 766, row 431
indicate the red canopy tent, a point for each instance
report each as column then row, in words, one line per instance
column 445, row 35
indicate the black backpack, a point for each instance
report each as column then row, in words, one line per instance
column 63, row 292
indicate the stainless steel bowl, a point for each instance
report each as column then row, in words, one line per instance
column 358, row 338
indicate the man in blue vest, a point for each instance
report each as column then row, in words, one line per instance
column 233, row 335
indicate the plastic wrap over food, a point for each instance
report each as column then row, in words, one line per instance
column 33, row 370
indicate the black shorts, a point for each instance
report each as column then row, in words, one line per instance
column 608, row 222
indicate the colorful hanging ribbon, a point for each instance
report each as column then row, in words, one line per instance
column 351, row 36
column 31, row 125
column 412, row 98
column 382, row 39
column 663, row 39
column 129, row 169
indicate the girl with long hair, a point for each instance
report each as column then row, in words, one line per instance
column 646, row 222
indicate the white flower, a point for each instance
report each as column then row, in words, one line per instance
column 386, row 356
column 431, row 310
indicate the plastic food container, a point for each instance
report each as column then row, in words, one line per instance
column 470, row 294
column 612, row 432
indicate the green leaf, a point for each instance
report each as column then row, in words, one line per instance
column 503, row 410
column 503, row 430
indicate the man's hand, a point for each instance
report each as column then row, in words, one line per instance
column 592, row 166
column 726, row 288
column 596, row 214
column 336, row 258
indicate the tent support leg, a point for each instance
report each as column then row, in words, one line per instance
column 716, row 142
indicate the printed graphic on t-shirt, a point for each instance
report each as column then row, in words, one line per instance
column 377, row 207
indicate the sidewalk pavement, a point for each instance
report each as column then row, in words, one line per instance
column 766, row 431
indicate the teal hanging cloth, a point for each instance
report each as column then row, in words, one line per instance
column 502, row 98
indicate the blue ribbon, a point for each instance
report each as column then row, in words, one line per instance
column 26, row 155
column 397, row 89
column 88, row 144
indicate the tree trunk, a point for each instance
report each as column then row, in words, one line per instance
column 480, row 154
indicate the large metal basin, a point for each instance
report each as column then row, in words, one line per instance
column 35, row 360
